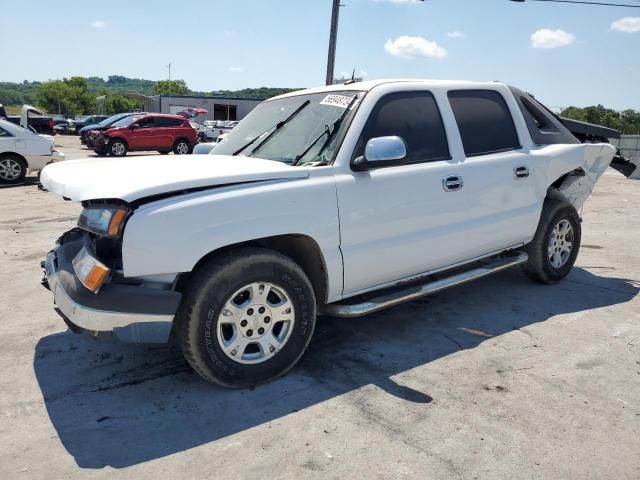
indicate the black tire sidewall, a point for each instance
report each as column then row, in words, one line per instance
column 213, row 296
column 565, row 212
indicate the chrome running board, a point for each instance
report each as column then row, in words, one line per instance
column 413, row 292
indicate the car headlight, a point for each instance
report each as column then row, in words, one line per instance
column 104, row 221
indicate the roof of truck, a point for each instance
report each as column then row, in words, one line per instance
column 370, row 84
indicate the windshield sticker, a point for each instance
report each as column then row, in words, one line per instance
column 341, row 101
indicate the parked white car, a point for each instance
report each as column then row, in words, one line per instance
column 23, row 151
column 212, row 129
column 342, row 200
column 206, row 148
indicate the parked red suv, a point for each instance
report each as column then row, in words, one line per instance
column 163, row 133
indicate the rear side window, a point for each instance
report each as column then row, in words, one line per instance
column 4, row 133
column 484, row 121
column 415, row 117
column 168, row 122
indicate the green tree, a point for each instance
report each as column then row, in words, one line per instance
column 69, row 96
column 171, row 87
column 116, row 103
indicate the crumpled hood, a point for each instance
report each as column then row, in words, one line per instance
column 133, row 178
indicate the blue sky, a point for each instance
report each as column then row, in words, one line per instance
column 580, row 58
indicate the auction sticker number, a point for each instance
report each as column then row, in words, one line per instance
column 341, row 101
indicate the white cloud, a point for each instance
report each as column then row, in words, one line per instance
column 627, row 25
column 414, row 47
column 547, row 38
column 236, row 69
column 455, row 34
column 98, row 24
column 363, row 74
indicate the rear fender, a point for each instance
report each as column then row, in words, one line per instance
column 575, row 187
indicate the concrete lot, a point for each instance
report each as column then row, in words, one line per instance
column 496, row 379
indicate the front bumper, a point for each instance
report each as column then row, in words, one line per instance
column 132, row 312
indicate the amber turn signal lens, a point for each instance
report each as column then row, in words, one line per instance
column 96, row 277
column 90, row 271
column 116, row 221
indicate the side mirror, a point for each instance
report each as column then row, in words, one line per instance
column 135, row 126
column 381, row 151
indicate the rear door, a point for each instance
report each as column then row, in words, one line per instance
column 499, row 185
column 168, row 131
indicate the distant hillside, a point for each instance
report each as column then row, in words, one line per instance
column 25, row 92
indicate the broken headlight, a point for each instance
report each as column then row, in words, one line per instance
column 104, row 221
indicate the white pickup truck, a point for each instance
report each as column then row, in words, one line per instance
column 339, row 200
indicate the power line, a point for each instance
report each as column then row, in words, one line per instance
column 602, row 4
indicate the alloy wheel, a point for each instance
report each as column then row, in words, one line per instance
column 10, row 169
column 560, row 244
column 255, row 323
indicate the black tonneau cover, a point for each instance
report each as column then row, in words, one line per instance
column 589, row 130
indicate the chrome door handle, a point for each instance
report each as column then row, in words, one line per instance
column 452, row 183
column 520, row 172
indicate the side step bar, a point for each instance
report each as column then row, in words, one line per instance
column 386, row 300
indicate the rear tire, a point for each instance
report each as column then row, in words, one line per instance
column 182, row 147
column 555, row 246
column 13, row 169
column 117, row 148
column 246, row 318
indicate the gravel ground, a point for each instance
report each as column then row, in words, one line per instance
column 495, row 379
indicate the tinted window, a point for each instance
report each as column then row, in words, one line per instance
column 484, row 121
column 148, row 122
column 4, row 133
column 168, row 122
column 415, row 117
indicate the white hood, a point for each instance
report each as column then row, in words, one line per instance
column 132, row 178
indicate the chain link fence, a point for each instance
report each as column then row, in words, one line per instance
column 629, row 146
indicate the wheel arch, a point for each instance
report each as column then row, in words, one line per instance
column 300, row 248
column 121, row 139
column 181, row 138
column 9, row 153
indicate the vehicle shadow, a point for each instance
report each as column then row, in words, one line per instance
column 120, row 405
column 26, row 182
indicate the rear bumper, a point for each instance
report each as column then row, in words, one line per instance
column 133, row 313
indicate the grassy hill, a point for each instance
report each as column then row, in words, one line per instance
column 25, row 92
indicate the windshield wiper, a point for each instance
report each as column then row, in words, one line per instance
column 275, row 128
column 330, row 135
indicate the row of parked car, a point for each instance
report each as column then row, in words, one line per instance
column 142, row 131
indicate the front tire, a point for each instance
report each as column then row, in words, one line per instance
column 12, row 169
column 246, row 318
column 117, row 148
column 555, row 246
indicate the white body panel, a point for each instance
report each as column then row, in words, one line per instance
column 373, row 228
column 205, row 221
column 132, row 178
column 36, row 149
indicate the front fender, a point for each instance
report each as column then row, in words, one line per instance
column 170, row 236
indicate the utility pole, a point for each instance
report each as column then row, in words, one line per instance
column 169, row 67
column 333, row 37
